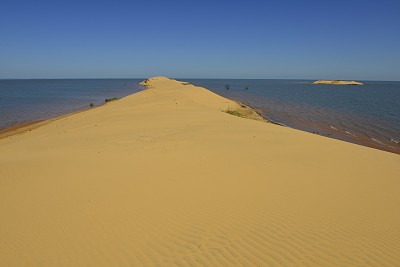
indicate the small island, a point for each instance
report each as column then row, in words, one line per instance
column 337, row 82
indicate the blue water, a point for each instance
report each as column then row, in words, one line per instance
column 367, row 115
column 31, row 100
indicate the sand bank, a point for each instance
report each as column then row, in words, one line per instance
column 164, row 177
column 337, row 82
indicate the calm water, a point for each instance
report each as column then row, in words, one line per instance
column 368, row 115
column 30, row 100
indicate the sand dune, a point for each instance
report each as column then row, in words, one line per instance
column 163, row 177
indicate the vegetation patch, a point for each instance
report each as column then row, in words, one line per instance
column 111, row 99
column 234, row 113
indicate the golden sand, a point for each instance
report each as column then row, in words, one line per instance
column 163, row 177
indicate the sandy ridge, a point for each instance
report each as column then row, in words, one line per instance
column 163, row 177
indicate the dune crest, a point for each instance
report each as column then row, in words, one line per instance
column 167, row 177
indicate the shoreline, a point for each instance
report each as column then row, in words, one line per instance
column 337, row 135
column 24, row 127
column 331, row 132
column 31, row 125
column 361, row 141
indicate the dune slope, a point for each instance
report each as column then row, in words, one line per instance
column 163, row 177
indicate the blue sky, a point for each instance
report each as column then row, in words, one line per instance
column 201, row 39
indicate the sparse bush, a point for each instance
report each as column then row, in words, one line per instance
column 111, row 99
column 234, row 113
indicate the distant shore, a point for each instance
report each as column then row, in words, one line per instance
column 337, row 82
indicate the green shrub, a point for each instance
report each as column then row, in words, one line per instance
column 234, row 113
column 111, row 99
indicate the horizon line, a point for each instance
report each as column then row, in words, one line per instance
column 138, row 78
